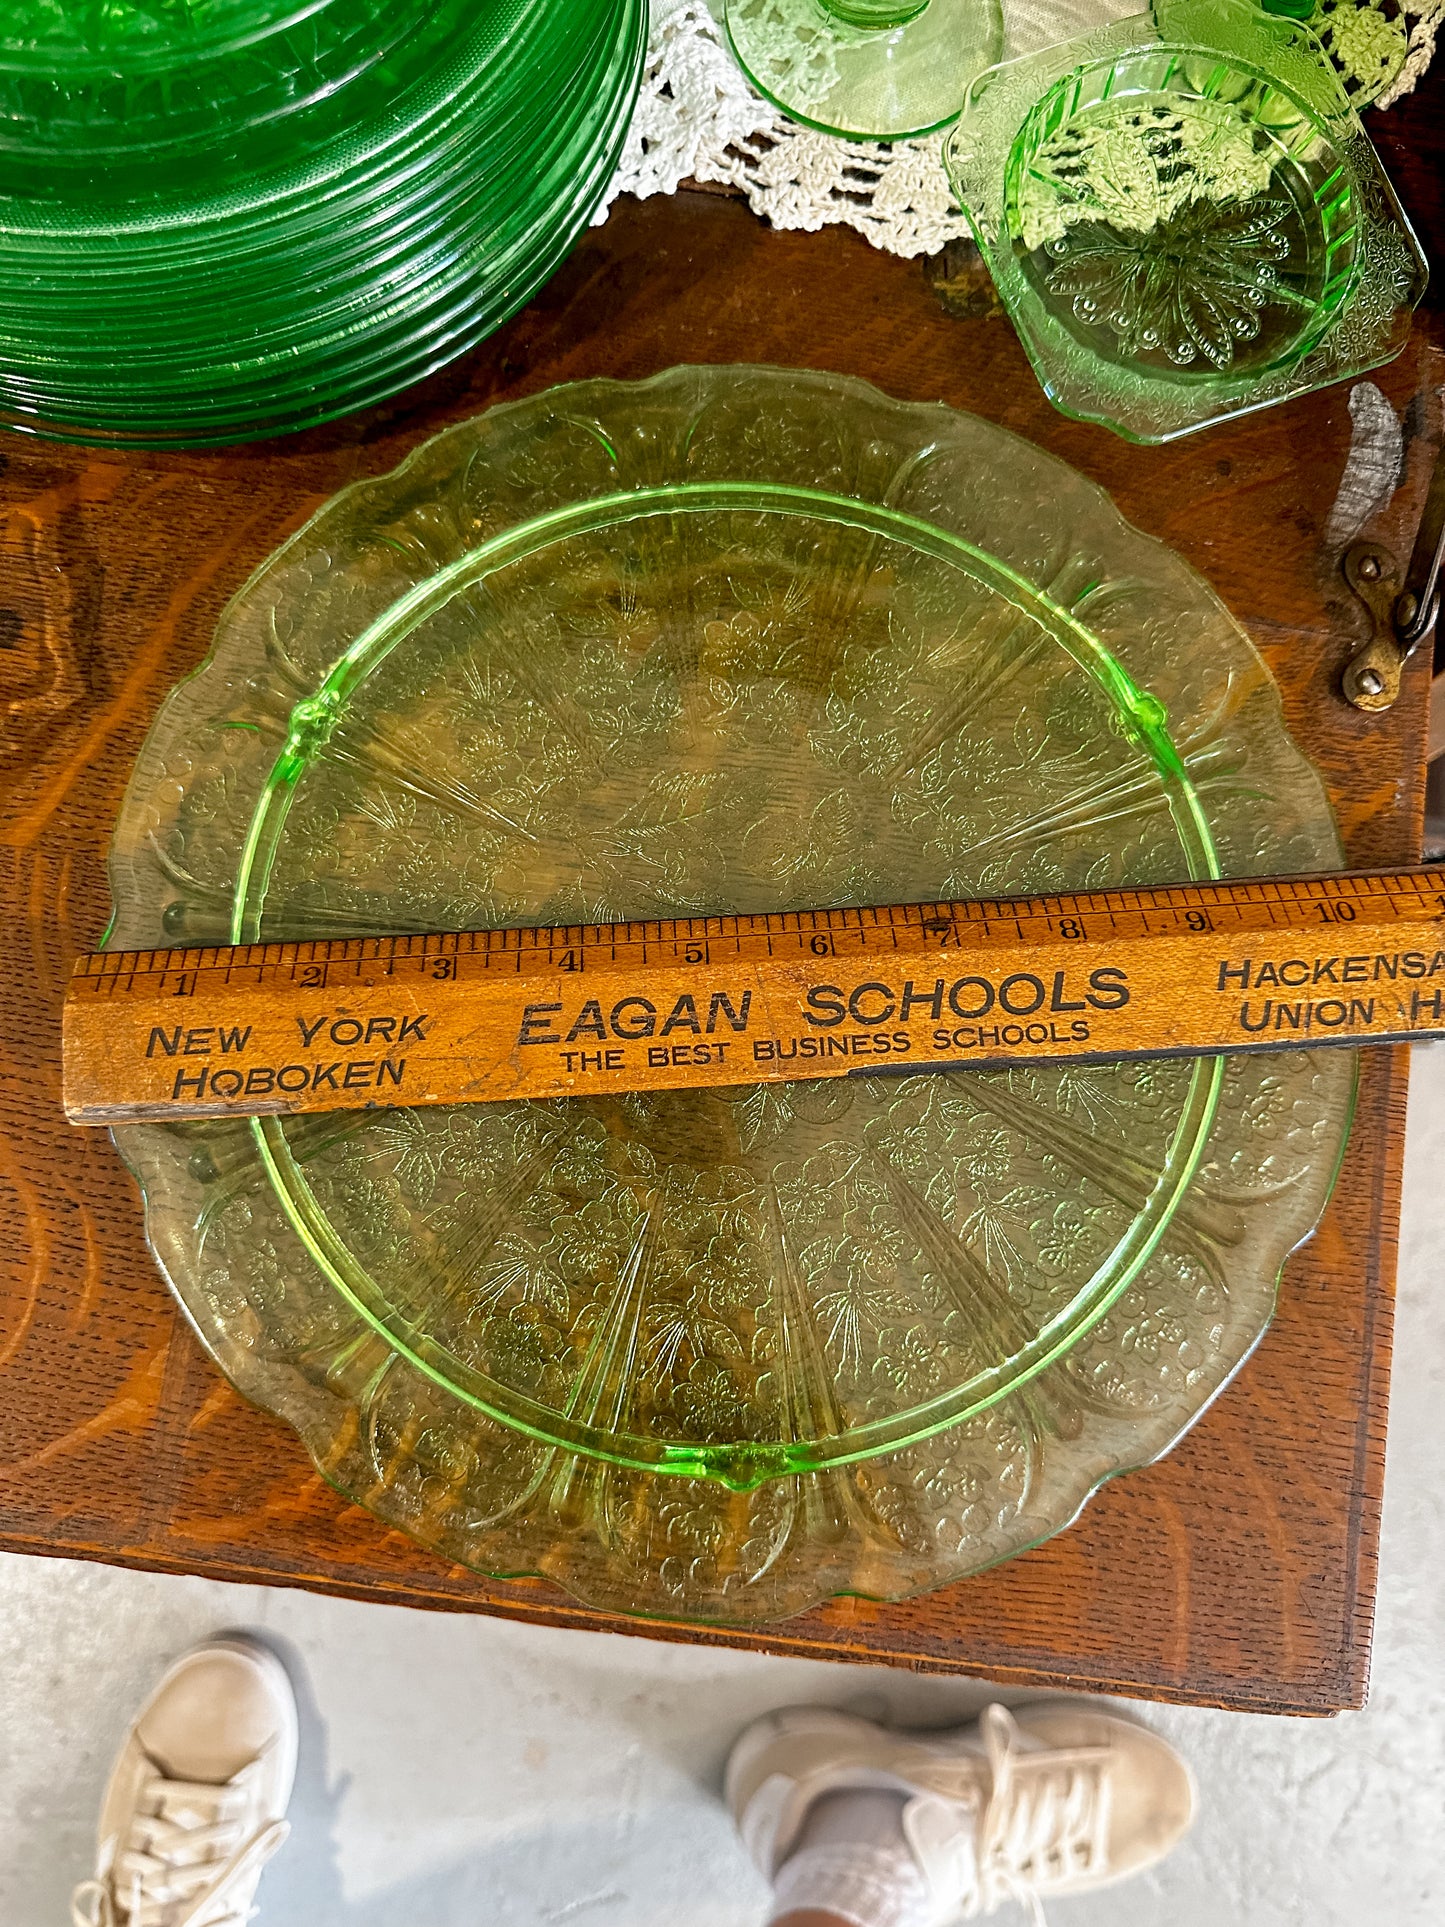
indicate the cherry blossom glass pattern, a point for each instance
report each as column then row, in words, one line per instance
column 1184, row 218
column 738, row 639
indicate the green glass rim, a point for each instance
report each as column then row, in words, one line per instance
column 740, row 1464
column 231, row 28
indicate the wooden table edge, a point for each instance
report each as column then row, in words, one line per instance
column 557, row 1613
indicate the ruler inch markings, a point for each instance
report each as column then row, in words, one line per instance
column 318, row 1024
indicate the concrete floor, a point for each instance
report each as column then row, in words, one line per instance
column 467, row 1771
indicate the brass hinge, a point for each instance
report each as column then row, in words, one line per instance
column 1403, row 611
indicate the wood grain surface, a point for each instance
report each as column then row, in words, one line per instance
column 1241, row 1570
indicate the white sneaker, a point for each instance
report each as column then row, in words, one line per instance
column 1053, row 1799
column 195, row 1802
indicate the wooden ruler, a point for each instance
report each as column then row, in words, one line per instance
column 355, row 1022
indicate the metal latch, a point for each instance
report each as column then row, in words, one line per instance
column 1402, row 612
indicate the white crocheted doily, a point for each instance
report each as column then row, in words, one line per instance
column 698, row 119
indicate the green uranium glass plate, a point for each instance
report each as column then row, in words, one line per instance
column 119, row 77
column 751, row 640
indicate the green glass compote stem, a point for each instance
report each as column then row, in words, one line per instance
column 869, row 69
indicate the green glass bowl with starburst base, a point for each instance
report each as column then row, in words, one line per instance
column 732, row 639
column 1184, row 218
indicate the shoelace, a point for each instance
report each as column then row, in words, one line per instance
column 1041, row 1819
column 184, row 1863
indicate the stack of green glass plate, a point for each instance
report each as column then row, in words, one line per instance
column 227, row 218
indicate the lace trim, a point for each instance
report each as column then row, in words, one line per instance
column 698, row 119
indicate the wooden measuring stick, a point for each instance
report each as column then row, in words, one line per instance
column 490, row 1015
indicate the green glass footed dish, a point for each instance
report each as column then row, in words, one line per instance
column 221, row 219
column 1184, row 218
column 731, row 639
column 865, row 69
